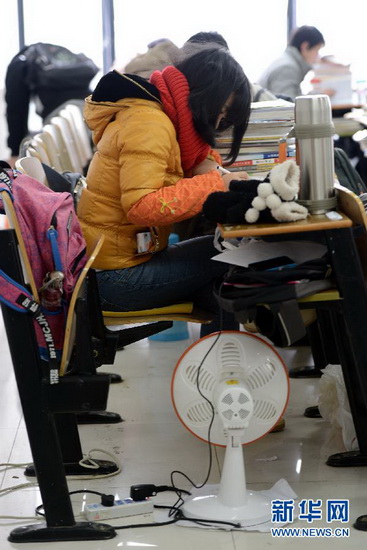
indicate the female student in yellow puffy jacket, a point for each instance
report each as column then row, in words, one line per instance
column 154, row 165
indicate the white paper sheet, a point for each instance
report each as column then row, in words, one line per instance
column 255, row 250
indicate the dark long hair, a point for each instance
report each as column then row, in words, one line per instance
column 213, row 75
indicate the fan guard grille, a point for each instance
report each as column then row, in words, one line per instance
column 264, row 373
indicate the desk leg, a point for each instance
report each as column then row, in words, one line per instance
column 350, row 335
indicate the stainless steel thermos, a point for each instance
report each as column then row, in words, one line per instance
column 313, row 130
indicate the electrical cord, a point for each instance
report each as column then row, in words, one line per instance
column 180, row 500
column 143, row 491
column 88, row 462
column 83, row 462
column 179, row 516
column 16, row 487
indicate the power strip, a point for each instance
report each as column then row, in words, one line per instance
column 120, row 509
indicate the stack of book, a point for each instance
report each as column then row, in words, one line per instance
column 264, row 144
column 331, row 74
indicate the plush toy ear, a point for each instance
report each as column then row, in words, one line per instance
column 285, row 179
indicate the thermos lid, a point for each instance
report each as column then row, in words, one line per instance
column 313, row 109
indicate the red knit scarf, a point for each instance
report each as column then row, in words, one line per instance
column 174, row 91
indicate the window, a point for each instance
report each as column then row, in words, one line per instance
column 343, row 26
column 256, row 32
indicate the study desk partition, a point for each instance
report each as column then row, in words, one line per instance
column 347, row 321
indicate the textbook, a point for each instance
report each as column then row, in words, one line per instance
column 255, row 162
column 277, row 109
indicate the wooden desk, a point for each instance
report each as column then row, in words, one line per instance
column 312, row 223
column 347, row 317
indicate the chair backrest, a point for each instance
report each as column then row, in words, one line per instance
column 37, row 148
column 49, row 144
column 54, row 134
column 23, row 256
column 70, row 144
column 70, row 327
column 66, row 114
column 353, row 207
column 83, row 131
column 32, row 166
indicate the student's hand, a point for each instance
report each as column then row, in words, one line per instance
column 204, row 167
column 227, row 178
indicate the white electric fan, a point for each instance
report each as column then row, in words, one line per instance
column 246, row 382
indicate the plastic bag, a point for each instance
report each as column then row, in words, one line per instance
column 334, row 405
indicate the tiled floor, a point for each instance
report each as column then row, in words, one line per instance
column 151, row 443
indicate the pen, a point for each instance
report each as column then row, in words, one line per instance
column 223, row 170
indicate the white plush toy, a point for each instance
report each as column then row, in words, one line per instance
column 283, row 186
column 250, row 201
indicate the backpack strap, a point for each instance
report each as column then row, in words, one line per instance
column 52, row 237
column 17, row 297
column 5, row 180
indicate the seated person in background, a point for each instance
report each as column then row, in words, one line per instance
column 161, row 52
column 285, row 74
column 152, row 168
column 25, row 80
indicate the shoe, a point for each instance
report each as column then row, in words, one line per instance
column 250, row 326
column 312, row 412
column 279, row 426
column 114, row 378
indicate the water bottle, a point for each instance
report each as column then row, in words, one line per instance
column 51, row 291
column 313, row 130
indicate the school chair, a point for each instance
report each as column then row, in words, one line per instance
column 82, row 129
column 80, row 375
column 77, row 127
column 49, row 409
column 32, row 167
column 151, row 321
column 54, row 135
column 69, row 142
column 46, row 140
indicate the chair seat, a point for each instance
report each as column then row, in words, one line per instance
column 329, row 295
column 184, row 311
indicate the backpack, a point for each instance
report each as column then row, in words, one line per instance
column 56, row 250
column 269, row 297
column 57, row 67
column 346, row 173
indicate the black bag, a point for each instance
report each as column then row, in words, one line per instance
column 56, row 67
column 69, row 182
column 346, row 173
column 269, row 298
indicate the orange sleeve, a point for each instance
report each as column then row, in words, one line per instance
column 215, row 156
column 177, row 202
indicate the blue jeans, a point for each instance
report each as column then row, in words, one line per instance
column 183, row 271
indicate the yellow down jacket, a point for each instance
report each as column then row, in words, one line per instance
column 135, row 181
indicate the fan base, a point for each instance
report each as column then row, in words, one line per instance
column 257, row 509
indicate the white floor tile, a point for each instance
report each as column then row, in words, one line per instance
column 151, row 443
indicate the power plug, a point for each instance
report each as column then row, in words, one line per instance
column 120, row 509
